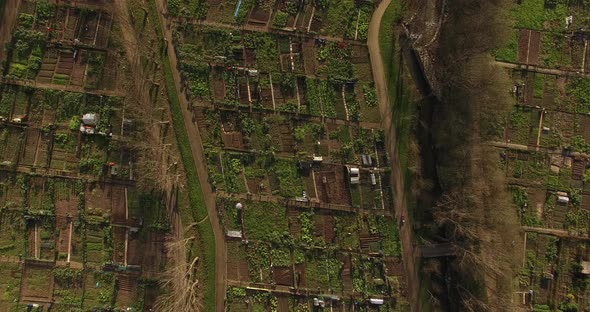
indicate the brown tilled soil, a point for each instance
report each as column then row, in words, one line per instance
column 331, row 185
column 534, row 48
column 523, row 45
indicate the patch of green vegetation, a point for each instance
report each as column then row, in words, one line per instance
column 347, row 231
column 280, row 19
column 535, row 14
column 509, row 52
column 323, row 272
column 337, row 16
column 267, row 51
column 520, row 124
column 579, row 89
column 389, row 233
column 264, row 220
column 539, row 85
column 290, row 184
column 552, row 49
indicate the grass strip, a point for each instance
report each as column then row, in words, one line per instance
column 197, row 202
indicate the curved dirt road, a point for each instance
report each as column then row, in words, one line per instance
column 197, row 151
column 408, row 252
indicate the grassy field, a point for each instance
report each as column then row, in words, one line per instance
column 198, row 209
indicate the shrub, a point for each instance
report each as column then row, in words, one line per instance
column 174, row 7
column 44, row 9
column 25, row 20
column 281, row 19
column 74, row 123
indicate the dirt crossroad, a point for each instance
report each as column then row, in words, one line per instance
column 409, row 254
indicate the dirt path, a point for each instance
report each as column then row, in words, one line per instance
column 197, row 151
column 556, row 232
column 409, row 254
column 8, row 18
column 544, row 70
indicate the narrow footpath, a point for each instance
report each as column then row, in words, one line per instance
column 199, row 159
column 409, row 254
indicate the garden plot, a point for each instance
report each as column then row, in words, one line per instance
column 529, row 166
column 12, row 227
column 553, row 53
column 68, row 287
column 529, row 42
column 231, row 128
column 99, row 245
column 346, row 229
column 126, row 289
column 291, row 56
column 15, row 102
column 367, row 99
column 260, row 14
column 99, row 289
column 63, row 152
column 285, row 92
column 321, row 98
column 523, row 127
column 258, row 257
column 9, row 284
column 11, row 188
column 42, row 238
column 105, row 199
column 584, row 128
column 331, row 184
column 323, row 272
column 118, row 195
column 119, row 255
column 153, row 251
column 286, row 14
column 93, row 64
column 370, row 193
column 265, row 92
column 368, row 276
column 40, row 195
column 265, row 49
column 37, row 282
column 324, row 227
column 11, row 139
column 62, row 226
column 229, row 214
column 283, row 275
column 36, row 152
column 262, row 220
column 209, row 127
column 310, row 50
column 135, row 250
column 221, row 11
column 237, row 266
column 540, row 266
column 66, row 23
column 63, row 67
column 557, row 130
column 575, row 48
